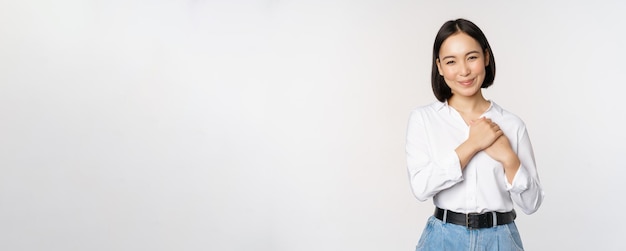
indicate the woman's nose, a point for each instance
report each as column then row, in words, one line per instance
column 465, row 69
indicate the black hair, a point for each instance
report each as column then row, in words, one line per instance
column 449, row 28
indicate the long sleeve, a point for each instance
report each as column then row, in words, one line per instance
column 526, row 190
column 428, row 174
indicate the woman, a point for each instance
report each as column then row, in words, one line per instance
column 471, row 156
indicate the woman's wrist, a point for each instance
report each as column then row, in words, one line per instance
column 512, row 162
column 466, row 152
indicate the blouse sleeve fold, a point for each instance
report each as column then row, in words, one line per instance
column 526, row 190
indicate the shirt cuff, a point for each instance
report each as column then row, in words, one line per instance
column 520, row 183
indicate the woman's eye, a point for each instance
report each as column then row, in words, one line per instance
column 450, row 62
column 472, row 57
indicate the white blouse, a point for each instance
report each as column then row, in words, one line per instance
column 433, row 134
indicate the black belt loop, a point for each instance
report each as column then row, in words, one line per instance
column 473, row 220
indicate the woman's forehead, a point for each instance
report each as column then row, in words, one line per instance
column 459, row 44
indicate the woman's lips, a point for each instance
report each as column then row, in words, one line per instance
column 466, row 82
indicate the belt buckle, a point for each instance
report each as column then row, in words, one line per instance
column 474, row 223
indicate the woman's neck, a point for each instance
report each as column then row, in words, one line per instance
column 469, row 105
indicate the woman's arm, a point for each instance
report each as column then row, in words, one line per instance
column 525, row 189
column 430, row 175
column 520, row 170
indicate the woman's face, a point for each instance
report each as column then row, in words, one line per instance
column 462, row 64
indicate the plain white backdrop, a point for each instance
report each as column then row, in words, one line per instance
column 280, row 125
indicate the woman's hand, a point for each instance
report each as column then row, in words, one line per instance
column 483, row 133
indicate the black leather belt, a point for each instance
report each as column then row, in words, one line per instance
column 473, row 220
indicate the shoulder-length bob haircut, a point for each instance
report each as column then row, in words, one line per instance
column 440, row 88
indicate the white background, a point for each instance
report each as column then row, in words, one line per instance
column 280, row 125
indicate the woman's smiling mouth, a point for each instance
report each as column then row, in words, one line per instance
column 466, row 82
